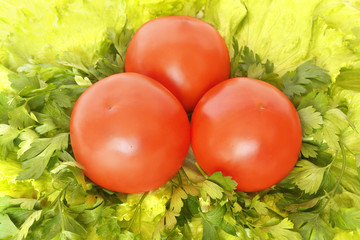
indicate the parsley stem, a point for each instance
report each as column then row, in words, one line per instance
column 342, row 171
column 201, row 171
column 185, row 174
column 179, row 178
column 61, row 216
column 137, row 210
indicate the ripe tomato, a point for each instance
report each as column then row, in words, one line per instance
column 185, row 54
column 130, row 133
column 246, row 129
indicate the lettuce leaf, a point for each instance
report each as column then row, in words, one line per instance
column 48, row 30
column 276, row 32
column 141, row 11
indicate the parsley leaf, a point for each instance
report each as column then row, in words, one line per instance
column 36, row 158
column 62, row 225
column 52, row 112
column 309, row 150
column 283, row 231
column 211, row 220
column 7, row 136
column 212, row 189
column 317, row 100
column 85, row 82
column 345, row 218
column 176, row 202
column 109, row 229
column 170, row 219
column 7, row 227
column 25, row 203
column 25, row 227
column 305, row 78
column 103, row 68
column 21, row 117
column 248, row 64
column 5, row 106
column 20, row 81
column 307, row 176
column 225, row 182
column 311, row 226
column 310, row 119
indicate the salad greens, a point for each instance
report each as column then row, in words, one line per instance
column 51, row 51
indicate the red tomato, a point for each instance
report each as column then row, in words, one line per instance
column 130, row 133
column 247, row 129
column 185, row 54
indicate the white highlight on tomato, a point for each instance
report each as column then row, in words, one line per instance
column 245, row 148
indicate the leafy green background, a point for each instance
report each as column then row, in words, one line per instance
column 51, row 51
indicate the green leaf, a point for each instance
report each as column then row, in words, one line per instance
column 305, row 78
column 291, row 87
column 318, row 76
column 170, row 219
column 7, row 227
column 18, row 215
column 246, row 63
column 7, row 136
column 61, row 97
column 349, row 78
column 104, row 68
column 345, row 218
column 210, row 188
column 307, row 176
column 310, row 119
column 36, row 158
column 25, row 227
column 225, row 182
column 61, row 223
column 255, row 71
column 37, row 92
column 317, row 100
column 189, row 210
column 311, row 226
column 209, row 231
column 283, row 231
column 66, row 235
column 331, row 134
column 20, row 117
column 52, row 117
column 72, row 166
column 25, row 203
column 120, row 42
column 211, row 220
column 261, row 208
column 85, row 82
column 225, row 15
column 20, row 81
column 176, row 201
column 339, row 119
column 309, row 150
column 5, row 107
column 126, row 235
column 110, row 229
column 215, row 216
column 228, row 228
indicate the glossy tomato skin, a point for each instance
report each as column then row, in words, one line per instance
column 246, row 129
column 130, row 133
column 185, row 54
